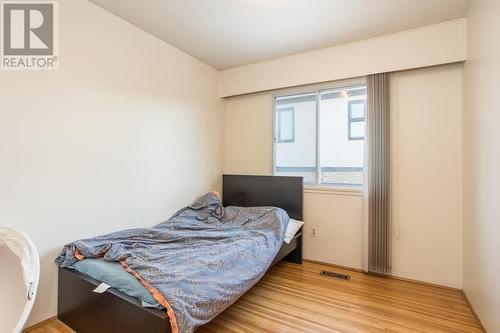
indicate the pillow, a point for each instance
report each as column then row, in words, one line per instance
column 113, row 274
column 291, row 230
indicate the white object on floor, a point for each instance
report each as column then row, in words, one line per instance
column 24, row 248
column 291, row 229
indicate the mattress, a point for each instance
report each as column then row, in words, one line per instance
column 114, row 275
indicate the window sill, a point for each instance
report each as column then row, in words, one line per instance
column 333, row 190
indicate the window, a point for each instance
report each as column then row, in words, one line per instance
column 319, row 135
column 285, row 118
column 356, row 119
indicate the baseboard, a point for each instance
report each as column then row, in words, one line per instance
column 429, row 284
column 334, row 265
column 35, row 326
column 474, row 312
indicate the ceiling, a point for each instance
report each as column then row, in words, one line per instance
column 230, row 33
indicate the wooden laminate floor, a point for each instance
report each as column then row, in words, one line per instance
column 295, row 298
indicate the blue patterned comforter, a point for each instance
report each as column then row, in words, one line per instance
column 199, row 261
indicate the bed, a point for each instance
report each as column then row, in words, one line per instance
column 114, row 311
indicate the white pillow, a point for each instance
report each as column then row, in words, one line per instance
column 291, row 230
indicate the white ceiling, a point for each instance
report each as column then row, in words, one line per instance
column 230, row 33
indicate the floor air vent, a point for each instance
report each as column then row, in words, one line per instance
column 334, row 275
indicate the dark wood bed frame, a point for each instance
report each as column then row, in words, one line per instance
column 115, row 312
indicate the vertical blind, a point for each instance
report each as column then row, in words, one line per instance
column 378, row 174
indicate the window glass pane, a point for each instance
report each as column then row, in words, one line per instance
column 286, row 124
column 296, row 157
column 357, row 109
column 341, row 158
column 357, row 129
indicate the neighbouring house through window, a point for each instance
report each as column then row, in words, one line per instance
column 356, row 115
column 320, row 135
column 285, row 118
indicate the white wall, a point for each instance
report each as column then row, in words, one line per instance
column 426, row 113
column 427, row 46
column 482, row 162
column 426, row 174
column 336, row 215
column 123, row 135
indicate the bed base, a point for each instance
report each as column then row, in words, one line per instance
column 110, row 312
column 115, row 312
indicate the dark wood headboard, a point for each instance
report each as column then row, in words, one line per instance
column 277, row 191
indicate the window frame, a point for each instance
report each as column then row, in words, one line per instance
column 315, row 90
column 278, row 124
column 351, row 119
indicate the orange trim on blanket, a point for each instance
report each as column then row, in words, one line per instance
column 156, row 295
column 217, row 194
column 78, row 255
